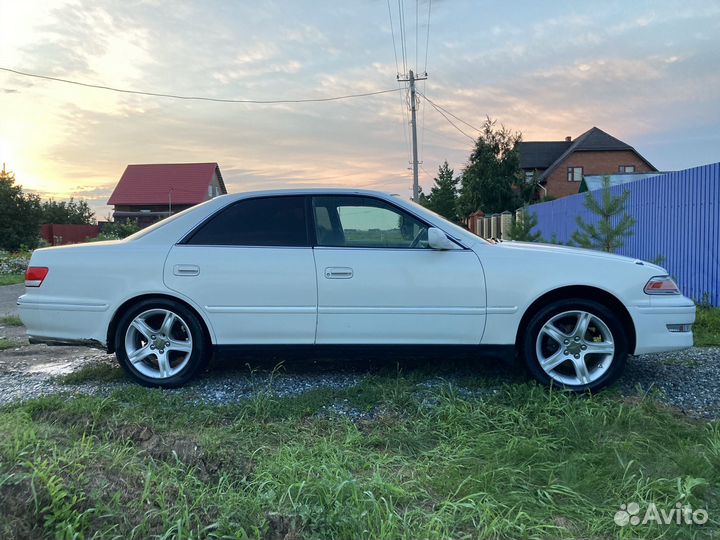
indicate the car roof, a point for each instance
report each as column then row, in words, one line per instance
column 178, row 225
column 307, row 191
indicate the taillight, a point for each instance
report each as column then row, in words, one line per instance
column 661, row 285
column 35, row 275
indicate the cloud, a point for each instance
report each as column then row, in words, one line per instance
column 642, row 73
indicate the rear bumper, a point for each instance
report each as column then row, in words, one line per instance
column 63, row 323
column 651, row 325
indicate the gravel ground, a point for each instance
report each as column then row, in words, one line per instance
column 8, row 298
column 688, row 380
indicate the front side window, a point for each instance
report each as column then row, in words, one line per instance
column 344, row 221
column 574, row 174
column 271, row 221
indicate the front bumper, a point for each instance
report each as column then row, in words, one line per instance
column 651, row 325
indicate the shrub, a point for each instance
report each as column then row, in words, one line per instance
column 117, row 230
column 13, row 263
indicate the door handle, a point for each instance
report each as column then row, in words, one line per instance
column 186, row 270
column 338, row 272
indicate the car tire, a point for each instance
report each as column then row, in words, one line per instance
column 568, row 334
column 161, row 343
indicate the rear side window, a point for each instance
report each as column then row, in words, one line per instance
column 271, row 221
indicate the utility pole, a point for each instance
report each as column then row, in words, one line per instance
column 413, row 123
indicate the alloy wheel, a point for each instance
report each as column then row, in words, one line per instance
column 158, row 343
column 575, row 348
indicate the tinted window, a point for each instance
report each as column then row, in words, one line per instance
column 273, row 221
column 365, row 222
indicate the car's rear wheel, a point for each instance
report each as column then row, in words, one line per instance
column 576, row 344
column 160, row 343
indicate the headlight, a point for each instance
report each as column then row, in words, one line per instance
column 661, row 285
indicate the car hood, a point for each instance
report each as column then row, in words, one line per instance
column 533, row 247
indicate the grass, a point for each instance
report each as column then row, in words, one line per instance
column 681, row 362
column 522, row 462
column 11, row 279
column 707, row 327
column 7, row 344
column 10, row 321
column 95, row 373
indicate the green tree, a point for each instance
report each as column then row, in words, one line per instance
column 605, row 236
column 19, row 215
column 444, row 194
column 522, row 226
column 492, row 180
column 116, row 230
column 67, row 212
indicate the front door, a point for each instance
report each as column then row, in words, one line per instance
column 251, row 269
column 380, row 283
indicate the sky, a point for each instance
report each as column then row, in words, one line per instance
column 647, row 72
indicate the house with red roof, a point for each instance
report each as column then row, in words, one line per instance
column 151, row 192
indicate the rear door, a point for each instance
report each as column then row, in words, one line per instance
column 380, row 283
column 251, row 269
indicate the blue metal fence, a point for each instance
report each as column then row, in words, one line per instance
column 678, row 218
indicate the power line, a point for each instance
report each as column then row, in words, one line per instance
column 195, row 98
column 417, row 31
column 427, row 37
column 446, row 118
column 392, row 31
column 401, row 16
column 424, row 83
column 451, row 114
column 403, row 110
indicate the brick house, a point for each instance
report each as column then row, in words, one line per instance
column 561, row 165
column 149, row 193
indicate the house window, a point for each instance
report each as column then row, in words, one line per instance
column 626, row 168
column 574, row 174
column 529, row 175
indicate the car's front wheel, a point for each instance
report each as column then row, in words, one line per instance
column 160, row 343
column 576, row 344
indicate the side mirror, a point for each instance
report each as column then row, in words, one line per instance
column 439, row 240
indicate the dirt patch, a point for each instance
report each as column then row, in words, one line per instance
column 17, row 508
column 283, row 527
column 166, row 447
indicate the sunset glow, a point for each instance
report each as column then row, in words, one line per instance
column 646, row 72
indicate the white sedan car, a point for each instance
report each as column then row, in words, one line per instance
column 348, row 268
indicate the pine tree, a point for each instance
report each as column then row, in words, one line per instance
column 443, row 195
column 522, row 226
column 492, row 180
column 605, row 236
